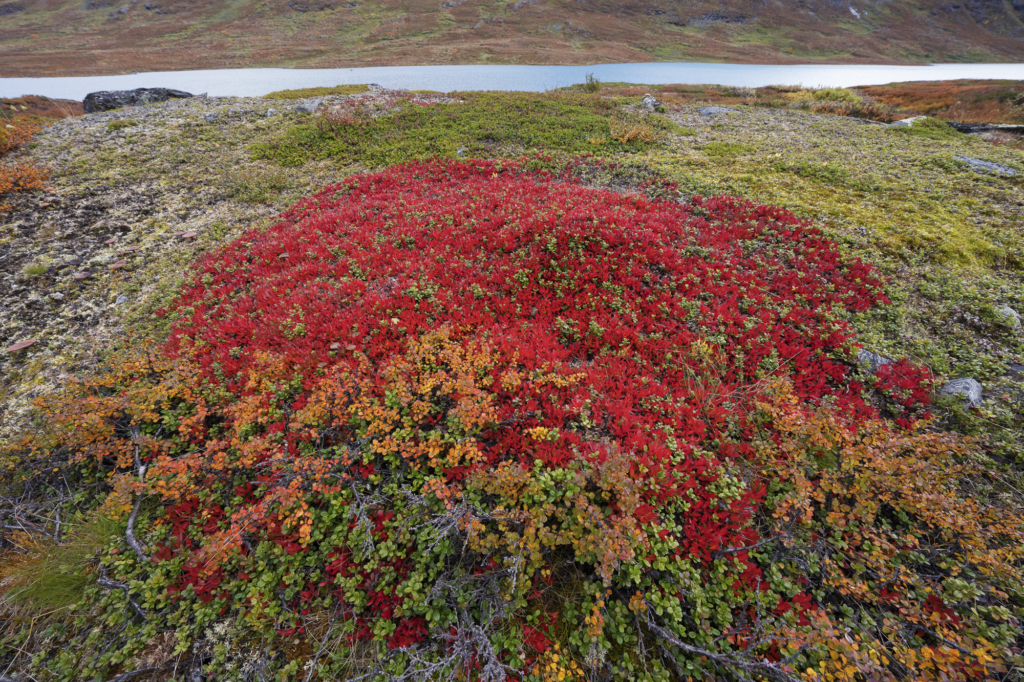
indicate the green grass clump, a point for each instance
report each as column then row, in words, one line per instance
column 726, row 149
column 35, row 270
column 592, row 84
column 124, row 123
column 836, row 95
column 828, row 173
column 303, row 93
column 54, row 576
column 931, row 128
column 483, row 124
column 257, row 185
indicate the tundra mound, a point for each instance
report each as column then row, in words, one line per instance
column 477, row 421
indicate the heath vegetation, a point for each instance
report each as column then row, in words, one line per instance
column 515, row 386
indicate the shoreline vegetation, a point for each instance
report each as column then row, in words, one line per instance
column 613, row 382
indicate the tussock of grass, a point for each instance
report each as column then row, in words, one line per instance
column 303, row 93
column 119, row 125
column 51, row 576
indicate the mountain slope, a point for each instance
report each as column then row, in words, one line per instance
column 84, row 37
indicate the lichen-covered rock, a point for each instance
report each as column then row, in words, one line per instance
column 649, row 102
column 1011, row 317
column 968, row 389
column 872, row 360
column 117, row 99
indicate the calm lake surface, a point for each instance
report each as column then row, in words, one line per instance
column 256, row 82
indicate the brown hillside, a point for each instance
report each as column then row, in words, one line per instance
column 85, row 37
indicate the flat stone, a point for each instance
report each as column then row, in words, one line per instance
column 189, row 235
column 967, row 389
column 118, row 265
column 130, row 249
column 306, row 107
column 872, row 360
column 335, row 346
column 82, row 275
column 906, row 122
column 712, row 111
column 21, row 345
column 111, row 241
column 121, row 299
column 1012, row 317
column 981, row 166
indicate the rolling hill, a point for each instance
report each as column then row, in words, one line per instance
column 89, row 37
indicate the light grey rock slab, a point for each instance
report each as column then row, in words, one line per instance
column 967, row 389
column 982, row 166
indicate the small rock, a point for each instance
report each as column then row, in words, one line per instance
column 116, row 99
column 118, row 265
column 121, row 299
column 1012, row 317
column 112, row 240
column 872, row 360
column 57, row 296
column 306, row 107
column 1016, row 370
column 335, row 346
column 210, row 117
column 189, row 235
column 968, row 389
column 21, row 345
column 130, row 249
column 271, row 112
column 980, row 166
column 711, row 111
column 82, row 275
column 906, row 122
column 649, row 102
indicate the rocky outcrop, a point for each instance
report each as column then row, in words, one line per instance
column 117, row 99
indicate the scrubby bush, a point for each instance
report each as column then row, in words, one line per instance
column 476, row 421
column 835, row 95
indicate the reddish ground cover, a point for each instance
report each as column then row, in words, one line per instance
column 499, row 425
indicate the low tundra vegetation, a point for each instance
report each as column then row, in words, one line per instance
column 376, row 134
column 475, row 420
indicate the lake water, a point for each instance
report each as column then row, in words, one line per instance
column 256, row 82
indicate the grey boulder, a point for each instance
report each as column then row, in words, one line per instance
column 649, row 102
column 967, row 389
column 1011, row 316
column 872, row 360
column 906, row 122
column 107, row 100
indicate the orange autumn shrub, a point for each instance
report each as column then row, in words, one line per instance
column 18, row 176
